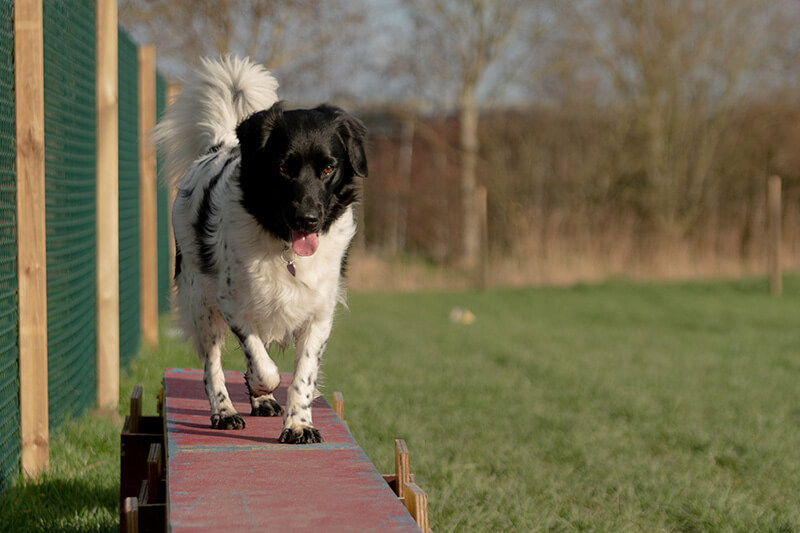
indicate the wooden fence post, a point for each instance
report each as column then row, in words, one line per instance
column 31, row 239
column 107, row 205
column 148, row 209
column 482, row 210
column 774, row 238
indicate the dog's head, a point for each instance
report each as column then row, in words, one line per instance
column 298, row 169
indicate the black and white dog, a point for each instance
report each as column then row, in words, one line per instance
column 263, row 218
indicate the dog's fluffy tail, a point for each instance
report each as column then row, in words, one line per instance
column 214, row 99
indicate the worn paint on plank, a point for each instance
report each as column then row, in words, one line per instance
column 244, row 479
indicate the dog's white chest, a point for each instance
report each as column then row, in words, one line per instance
column 258, row 280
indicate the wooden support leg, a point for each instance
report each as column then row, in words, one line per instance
column 160, row 401
column 402, row 467
column 136, row 410
column 154, row 472
column 338, row 407
column 130, row 516
column 408, row 492
column 152, row 513
column 416, row 502
column 142, row 462
column 144, row 497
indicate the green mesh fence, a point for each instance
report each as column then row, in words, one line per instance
column 9, row 372
column 70, row 211
column 69, row 126
column 164, row 274
column 129, row 324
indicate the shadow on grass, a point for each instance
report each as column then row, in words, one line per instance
column 58, row 505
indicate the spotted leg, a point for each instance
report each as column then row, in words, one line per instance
column 262, row 376
column 298, row 427
column 223, row 414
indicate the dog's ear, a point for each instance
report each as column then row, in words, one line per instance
column 356, row 140
column 354, row 136
column 254, row 131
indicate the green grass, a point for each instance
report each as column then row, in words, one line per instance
column 618, row 407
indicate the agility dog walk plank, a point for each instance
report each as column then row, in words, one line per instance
column 239, row 480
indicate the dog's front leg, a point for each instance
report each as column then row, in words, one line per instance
column 262, row 376
column 298, row 427
column 223, row 414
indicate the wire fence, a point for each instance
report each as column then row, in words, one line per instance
column 164, row 274
column 129, row 338
column 69, row 66
column 70, row 149
column 9, row 371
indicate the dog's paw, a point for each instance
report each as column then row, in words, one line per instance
column 224, row 421
column 266, row 407
column 301, row 435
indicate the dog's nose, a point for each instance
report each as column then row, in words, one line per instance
column 306, row 221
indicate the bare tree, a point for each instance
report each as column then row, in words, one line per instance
column 457, row 43
column 293, row 38
column 678, row 68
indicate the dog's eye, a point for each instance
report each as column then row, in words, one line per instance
column 327, row 171
column 284, row 168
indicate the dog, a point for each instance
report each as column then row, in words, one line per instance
column 263, row 218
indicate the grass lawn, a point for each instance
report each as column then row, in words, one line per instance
column 617, row 407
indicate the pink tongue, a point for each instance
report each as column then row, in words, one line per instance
column 304, row 243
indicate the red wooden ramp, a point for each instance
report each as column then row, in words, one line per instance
column 245, row 480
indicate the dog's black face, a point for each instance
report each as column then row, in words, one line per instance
column 298, row 169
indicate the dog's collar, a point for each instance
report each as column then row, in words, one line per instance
column 289, row 263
